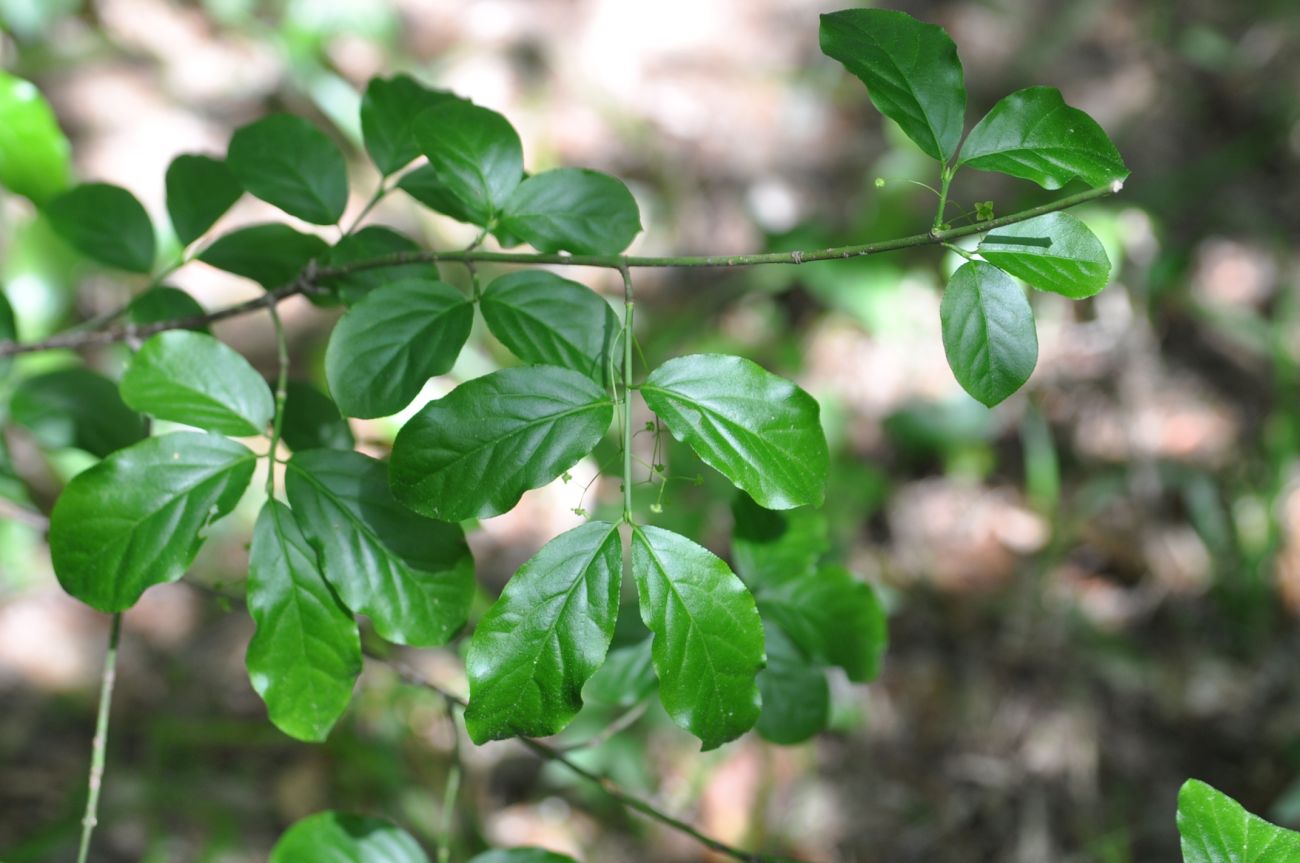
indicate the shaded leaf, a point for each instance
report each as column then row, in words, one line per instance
column 1074, row 265
column 105, row 223
column 369, row 243
column 988, row 332
column 336, row 837
column 573, row 210
column 627, row 676
column 288, row 162
column 312, row 421
column 796, row 696
column 34, row 153
column 474, row 153
column 1216, row 829
column 769, row 547
column 833, row 617
column 271, row 255
column 8, row 330
column 75, row 408
column 521, row 855
column 388, row 109
column 425, row 186
column 164, row 303
column 200, row 189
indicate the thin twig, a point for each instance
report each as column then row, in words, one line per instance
column 100, row 744
column 281, row 395
column 451, row 789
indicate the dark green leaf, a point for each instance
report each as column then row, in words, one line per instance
column 474, row 153
column 424, row 185
column 306, row 653
column 8, row 329
column 412, row 576
column 545, row 637
column 988, row 332
column 335, row 837
column 200, row 189
column 796, row 696
column 192, row 378
column 387, row 110
column 627, row 676
column 573, row 210
column 911, row 71
column 34, row 153
column 548, row 320
column 164, row 304
column 134, row 520
column 288, row 162
column 758, row 430
column 708, row 639
column 105, row 223
column 1034, row 135
column 833, row 617
column 1074, row 265
column 475, row 452
column 521, row 855
column 312, row 421
column 76, row 408
column 271, row 255
column 1216, row 829
column 769, row 547
column 387, row 346
column 369, row 243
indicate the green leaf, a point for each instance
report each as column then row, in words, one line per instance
column 770, row 547
column 708, row 639
column 548, row 320
column 76, row 408
column 387, row 110
column 521, row 855
column 1216, row 829
column 105, row 223
column 573, row 210
column 200, row 189
column 34, row 152
column 312, row 421
column 288, row 162
column 911, row 71
column 164, row 303
column 796, row 696
column 271, row 255
column 475, row 452
column 627, row 676
column 1074, row 265
column 988, row 332
column 545, row 637
column 134, row 520
column 832, row 616
column 474, row 153
column 425, row 186
column 335, row 837
column 758, row 430
column 1034, row 135
column 306, row 653
column 192, row 378
column 387, row 346
column 373, row 241
column 412, row 576
column 8, row 329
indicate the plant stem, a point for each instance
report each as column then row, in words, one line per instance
column 945, row 182
column 380, row 191
column 281, row 393
column 451, row 790
column 628, row 308
column 100, row 743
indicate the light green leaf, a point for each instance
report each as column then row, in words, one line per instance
column 425, row 186
column 911, row 71
column 1034, row 135
column 474, row 153
column 708, row 639
column 385, row 349
column 105, row 223
column 134, row 520
column 288, row 162
column 164, row 303
column 369, row 243
column 271, row 255
column 1216, row 829
column 312, row 421
column 545, row 637
column 769, row 547
column 758, row 430
column 475, row 452
column 521, row 855
column 573, row 210
column 200, row 189
column 832, row 616
column 306, row 653
column 192, row 378
column 1073, row 265
column 988, row 332
column 387, row 110
column 335, row 837
column 34, row 152
column 545, row 319
column 412, row 576
column 796, row 696
column 75, row 408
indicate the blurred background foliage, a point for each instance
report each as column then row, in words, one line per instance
column 1093, row 588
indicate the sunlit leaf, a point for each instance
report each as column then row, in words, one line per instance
column 34, row 152
column 1072, row 263
column 1216, row 829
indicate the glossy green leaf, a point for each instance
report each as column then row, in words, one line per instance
column 521, row 855
column 271, row 255
column 288, row 162
column 192, row 378
column 708, row 639
column 1217, row 829
column 336, row 837
column 474, row 153
column 832, row 616
column 385, row 349
column 76, row 407
column 200, row 189
column 306, row 652
column 164, row 303
column 1074, row 265
column 911, row 71
column 34, row 153
column 134, row 520
column 988, row 332
column 369, row 243
column 388, row 109
column 106, row 224
column 545, row 636
column 424, row 184
column 8, row 329
column 475, row 452
column 1034, row 135
column 796, row 696
column 769, row 547
column 412, row 576
column 312, row 421
column 545, row 319
column 758, row 430
column 573, row 210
